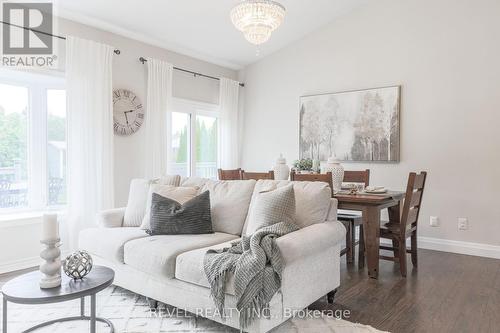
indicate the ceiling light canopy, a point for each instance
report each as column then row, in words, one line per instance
column 257, row 19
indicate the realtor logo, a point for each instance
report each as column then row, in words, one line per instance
column 27, row 28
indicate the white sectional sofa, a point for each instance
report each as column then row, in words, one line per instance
column 169, row 268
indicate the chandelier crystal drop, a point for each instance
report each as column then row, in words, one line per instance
column 257, row 19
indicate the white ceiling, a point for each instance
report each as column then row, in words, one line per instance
column 201, row 28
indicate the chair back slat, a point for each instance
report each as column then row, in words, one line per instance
column 230, row 174
column 413, row 199
column 412, row 215
column 257, row 175
column 314, row 177
column 357, row 177
column 419, row 181
column 416, row 199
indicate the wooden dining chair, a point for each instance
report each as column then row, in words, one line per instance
column 313, row 177
column 351, row 221
column 230, row 174
column 257, row 175
column 404, row 224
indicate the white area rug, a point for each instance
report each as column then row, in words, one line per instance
column 130, row 314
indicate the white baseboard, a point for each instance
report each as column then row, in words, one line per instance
column 473, row 249
column 16, row 265
column 453, row 246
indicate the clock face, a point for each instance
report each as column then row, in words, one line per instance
column 128, row 113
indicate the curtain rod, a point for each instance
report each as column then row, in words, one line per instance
column 144, row 60
column 44, row 33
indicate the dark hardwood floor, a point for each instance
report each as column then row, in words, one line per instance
column 447, row 293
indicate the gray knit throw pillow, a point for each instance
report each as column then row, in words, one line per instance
column 168, row 217
column 270, row 207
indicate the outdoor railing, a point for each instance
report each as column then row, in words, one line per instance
column 202, row 169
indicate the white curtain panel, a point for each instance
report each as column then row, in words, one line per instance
column 90, row 133
column 157, row 117
column 229, row 124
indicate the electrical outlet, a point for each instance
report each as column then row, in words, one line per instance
column 434, row 221
column 463, row 223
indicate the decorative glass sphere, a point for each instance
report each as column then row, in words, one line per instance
column 77, row 265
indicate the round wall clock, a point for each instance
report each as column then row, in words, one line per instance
column 128, row 113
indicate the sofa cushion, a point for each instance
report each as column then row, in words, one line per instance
column 179, row 194
column 189, row 267
column 108, row 243
column 312, row 200
column 229, row 202
column 156, row 255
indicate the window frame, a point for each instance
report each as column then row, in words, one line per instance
column 193, row 109
column 37, row 136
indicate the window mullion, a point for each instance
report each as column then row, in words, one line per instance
column 192, row 148
column 38, row 147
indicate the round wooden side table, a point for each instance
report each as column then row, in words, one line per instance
column 25, row 289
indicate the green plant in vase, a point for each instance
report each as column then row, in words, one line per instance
column 303, row 165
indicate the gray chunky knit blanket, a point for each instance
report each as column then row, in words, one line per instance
column 256, row 264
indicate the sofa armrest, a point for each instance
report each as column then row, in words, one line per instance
column 310, row 240
column 332, row 211
column 312, row 263
column 111, row 218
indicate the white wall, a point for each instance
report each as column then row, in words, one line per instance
column 445, row 55
column 128, row 73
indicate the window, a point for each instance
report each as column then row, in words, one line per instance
column 32, row 141
column 14, row 102
column 56, row 146
column 206, row 146
column 194, row 139
column 180, row 143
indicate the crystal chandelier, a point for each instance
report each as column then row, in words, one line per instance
column 257, row 19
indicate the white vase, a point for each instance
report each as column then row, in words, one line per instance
column 337, row 170
column 281, row 170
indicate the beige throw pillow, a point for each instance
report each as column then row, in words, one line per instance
column 229, row 201
column 138, row 197
column 270, row 207
column 179, row 194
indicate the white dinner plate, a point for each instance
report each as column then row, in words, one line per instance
column 378, row 191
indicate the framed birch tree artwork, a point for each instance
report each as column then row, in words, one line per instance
column 361, row 126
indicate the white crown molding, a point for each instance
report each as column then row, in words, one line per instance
column 99, row 24
column 453, row 246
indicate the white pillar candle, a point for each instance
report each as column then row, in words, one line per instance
column 50, row 227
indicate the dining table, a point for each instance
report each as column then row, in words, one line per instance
column 371, row 206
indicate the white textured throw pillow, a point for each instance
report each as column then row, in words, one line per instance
column 179, row 194
column 312, row 200
column 270, row 207
column 138, row 197
column 174, row 180
column 136, row 204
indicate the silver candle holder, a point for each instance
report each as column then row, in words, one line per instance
column 51, row 268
